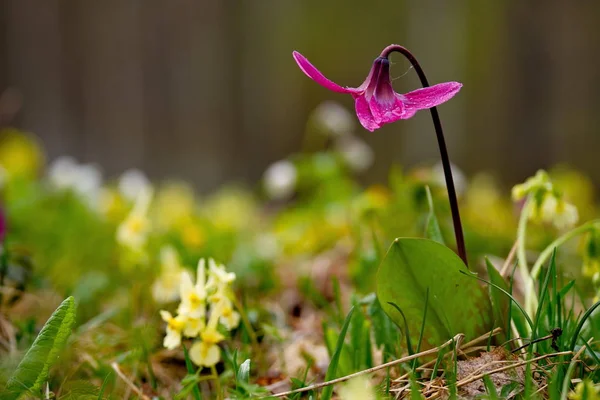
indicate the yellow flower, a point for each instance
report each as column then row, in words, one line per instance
column 112, row 205
column 175, row 205
column 358, row 388
column 205, row 354
column 229, row 317
column 558, row 212
column 218, row 276
column 166, row 286
column 193, row 327
column 20, row 153
column 545, row 203
column 585, row 390
column 541, row 181
column 193, row 296
column 175, row 325
column 191, row 234
column 133, row 232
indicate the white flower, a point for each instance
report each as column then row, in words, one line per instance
column 132, row 182
column 458, row 177
column 334, row 118
column 280, row 179
column 358, row 388
column 84, row 179
column 356, row 153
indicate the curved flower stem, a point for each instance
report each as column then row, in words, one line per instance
column 458, row 231
column 521, row 236
column 531, row 300
column 588, row 226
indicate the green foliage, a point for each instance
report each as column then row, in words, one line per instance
column 33, row 370
column 457, row 304
column 335, row 358
column 500, row 302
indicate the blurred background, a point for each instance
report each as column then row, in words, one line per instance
column 208, row 91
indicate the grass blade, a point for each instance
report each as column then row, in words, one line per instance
column 335, row 358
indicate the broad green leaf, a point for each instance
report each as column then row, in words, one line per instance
column 32, row 371
column 500, row 301
column 457, row 304
column 432, row 226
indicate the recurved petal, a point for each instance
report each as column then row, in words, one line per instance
column 316, row 75
column 363, row 112
column 428, row 97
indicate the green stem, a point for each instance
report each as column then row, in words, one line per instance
column 521, row 237
column 246, row 322
column 588, row 226
column 213, row 371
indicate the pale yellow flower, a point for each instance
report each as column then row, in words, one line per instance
column 133, row 232
column 229, row 317
column 585, row 390
column 557, row 211
column 166, row 287
column 175, row 326
column 205, row 354
column 358, row 388
column 175, row 204
column 541, row 181
column 218, row 276
column 193, row 296
column 193, row 327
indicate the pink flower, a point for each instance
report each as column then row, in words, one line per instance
column 376, row 101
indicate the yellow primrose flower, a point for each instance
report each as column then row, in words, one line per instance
column 218, row 276
column 175, row 326
column 229, row 317
column 20, row 153
column 358, row 388
column 133, row 232
column 192, row 235
column 111, row 204
column 557, row 211
column 541, row 181
column 193, row 327
column 545, row 203
column 193, row 296
column 175, row 205
column 166, row 286
column 585, row 390
column 205, row 354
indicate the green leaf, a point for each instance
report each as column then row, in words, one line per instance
column 243, row 374
column 432, row 226
column 32, row 371
column 457, row 304
column 500, row 302
column 332, row 369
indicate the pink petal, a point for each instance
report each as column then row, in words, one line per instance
column 385, row 105
column 317, row 76
column 364, row 114
column 428, row 97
